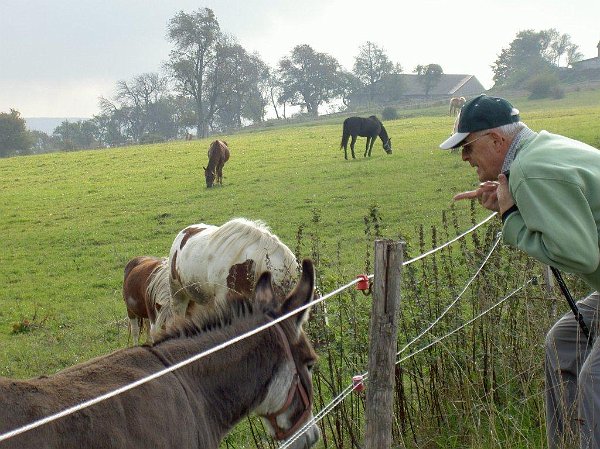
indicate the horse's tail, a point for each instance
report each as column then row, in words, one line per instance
column 345, row 135
column 130, row 266
column 159, row 292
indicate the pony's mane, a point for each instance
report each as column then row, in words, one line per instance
column 241, row 232
column 190, row 326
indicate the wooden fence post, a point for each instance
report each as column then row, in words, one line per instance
column 383, row 332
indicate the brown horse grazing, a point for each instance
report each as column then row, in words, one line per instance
column 140, row 305
column 194, row 407
column 218, row 154
column 456, row 104
column 369, row 127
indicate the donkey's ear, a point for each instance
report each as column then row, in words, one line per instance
column 302, row 293
column 263, row 292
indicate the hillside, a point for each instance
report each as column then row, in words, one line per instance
column 71, row 221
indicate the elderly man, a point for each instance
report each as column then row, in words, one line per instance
column 550, row 208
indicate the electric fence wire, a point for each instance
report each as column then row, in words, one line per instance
column 90, row 402
column 341, row 396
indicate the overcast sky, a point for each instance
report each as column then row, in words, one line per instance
column 57, row 57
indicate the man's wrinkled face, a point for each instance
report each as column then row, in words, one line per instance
column 482, row 151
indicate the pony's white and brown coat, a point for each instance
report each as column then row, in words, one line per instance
column 215, row 265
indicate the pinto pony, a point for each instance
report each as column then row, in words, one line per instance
column 218, row 154
column 141, row 307
column 215, row 265
column 369, row 127
column 456, row 104
column 194, row 407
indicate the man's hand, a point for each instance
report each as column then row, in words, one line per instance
column 486, row 194
column 505, row 199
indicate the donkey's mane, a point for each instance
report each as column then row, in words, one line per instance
column 185, row 327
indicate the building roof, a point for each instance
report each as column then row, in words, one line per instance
column 408, row 87
column 449, row 84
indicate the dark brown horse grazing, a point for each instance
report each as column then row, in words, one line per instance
column 140, row 305
column 218, row 154
column 194, row 407
column 369, row 127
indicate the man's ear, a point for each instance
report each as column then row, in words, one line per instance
column 500, row 140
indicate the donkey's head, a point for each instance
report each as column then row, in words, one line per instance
column 287, row 406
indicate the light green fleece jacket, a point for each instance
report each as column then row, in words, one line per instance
column 555, row 182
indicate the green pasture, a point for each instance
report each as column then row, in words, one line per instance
column 70, row 221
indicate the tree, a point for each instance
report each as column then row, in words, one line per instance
column 531, row 53
column 371, row 65
column 141, row 99
column 348, row 83
column 573, row 54
column 429, row 75
column 141, row 110
column 14, row 137
column 234, row 87
column 273, row 90
column 195, row 37
column 42, row 142
column 76, row 135
column 309, row 78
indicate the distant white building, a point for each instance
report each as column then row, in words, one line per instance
column 587, row 64
column 408, row 87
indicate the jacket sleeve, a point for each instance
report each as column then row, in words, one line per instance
column 554, row 224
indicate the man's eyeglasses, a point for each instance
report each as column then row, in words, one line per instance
column 466, row 148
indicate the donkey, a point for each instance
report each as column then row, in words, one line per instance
column 193, row 407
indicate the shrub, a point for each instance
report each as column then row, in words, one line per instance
column 151, row 138
column 544, row 85
column 558, row 92
column 389, row 113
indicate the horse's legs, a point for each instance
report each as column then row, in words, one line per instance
column 369, row 145
column 179, row 301
column 148, row 328
column 220, row 174
column 352, row 146
column 135, row 330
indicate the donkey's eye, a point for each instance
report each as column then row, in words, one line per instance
column 310, row 365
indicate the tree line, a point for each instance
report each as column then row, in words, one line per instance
column 212, row 84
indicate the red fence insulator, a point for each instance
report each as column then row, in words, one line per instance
column 357, row 382
column 363, row 283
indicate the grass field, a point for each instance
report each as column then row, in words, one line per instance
column 71, row 221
